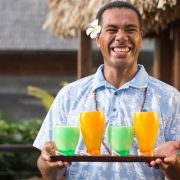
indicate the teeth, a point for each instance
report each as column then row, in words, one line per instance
column 126, row 49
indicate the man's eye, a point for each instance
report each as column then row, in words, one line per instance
column 131, row 30
column 111, row 30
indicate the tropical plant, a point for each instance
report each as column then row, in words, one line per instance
column 42, row 95
column 45, row 97
column 16, row 165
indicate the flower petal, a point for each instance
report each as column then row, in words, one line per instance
column 98, row 29
column 93, row 35
column 94, row 23
column 89, row 30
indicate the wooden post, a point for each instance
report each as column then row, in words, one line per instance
column 163, row 67
column 84, row 62
column 167, row 56
column 176, row 78
column 156, row 62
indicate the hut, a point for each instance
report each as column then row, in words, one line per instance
column 30, row 56
column 161, row 20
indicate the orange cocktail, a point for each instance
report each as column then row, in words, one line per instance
column 146, row 125
column 92, row 126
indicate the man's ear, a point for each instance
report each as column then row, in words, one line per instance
column 142, row 34
column 97, row 41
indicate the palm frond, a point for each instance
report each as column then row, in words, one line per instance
column 41, row 94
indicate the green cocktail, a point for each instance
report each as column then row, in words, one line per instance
column 120, row 139
column 66, row 139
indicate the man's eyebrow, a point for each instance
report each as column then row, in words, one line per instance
column 131, row 26
column 126, row 26
column 110, row 25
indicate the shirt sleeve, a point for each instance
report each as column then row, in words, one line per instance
column 55, row 115
column 172, row 133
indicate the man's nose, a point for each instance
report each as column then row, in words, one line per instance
column 121, row 36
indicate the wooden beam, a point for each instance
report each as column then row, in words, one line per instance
column 25, row 148
column 84, row 62
column 176, row 77
column 18, row 63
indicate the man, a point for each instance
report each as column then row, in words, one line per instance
column 121, row 87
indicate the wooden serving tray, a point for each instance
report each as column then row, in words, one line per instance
column 106, row 158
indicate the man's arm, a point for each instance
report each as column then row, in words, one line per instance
column 50, row 170
column 171, row 164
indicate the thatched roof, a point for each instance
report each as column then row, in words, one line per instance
column 65, row 17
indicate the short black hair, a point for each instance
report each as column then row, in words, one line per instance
column 118, row 4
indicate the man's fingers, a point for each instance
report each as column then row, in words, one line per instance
column 178, row 145
column 67, row 164
column 45, row 156
column 63, row 164
column 158, row 163
column 162, row 165
column 170, row 160
column 153, row 164
column 50, row 147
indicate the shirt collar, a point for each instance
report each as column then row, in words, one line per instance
column 140, row 80
column 99, row 81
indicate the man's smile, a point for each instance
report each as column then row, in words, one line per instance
column 120, row 51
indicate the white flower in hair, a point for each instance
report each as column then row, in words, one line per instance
column 94, row 29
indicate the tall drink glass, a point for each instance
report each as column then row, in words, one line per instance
column 92, row 125
column 146, row 125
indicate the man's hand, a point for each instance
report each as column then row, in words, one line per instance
column 50, row 170
column 49, row 149
column 171, row 164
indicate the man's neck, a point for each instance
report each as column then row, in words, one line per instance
column 118, row 77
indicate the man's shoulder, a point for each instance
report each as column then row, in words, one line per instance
column 82, row 81
column 161, row 86
column 79, row 85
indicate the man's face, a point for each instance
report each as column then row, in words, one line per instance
column 120, row 38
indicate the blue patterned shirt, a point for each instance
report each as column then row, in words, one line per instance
column 119, row 106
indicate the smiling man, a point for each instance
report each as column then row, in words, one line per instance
column 119, row 88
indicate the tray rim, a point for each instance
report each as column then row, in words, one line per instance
column 105, row 158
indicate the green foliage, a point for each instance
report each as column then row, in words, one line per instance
column 42, row 95
column 18, row 165
column 19, row 132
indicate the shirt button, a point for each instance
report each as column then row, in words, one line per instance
column 116, row 93
column 114, row 109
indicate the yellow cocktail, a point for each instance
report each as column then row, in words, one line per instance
column 146, row 125
column 92, row 126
